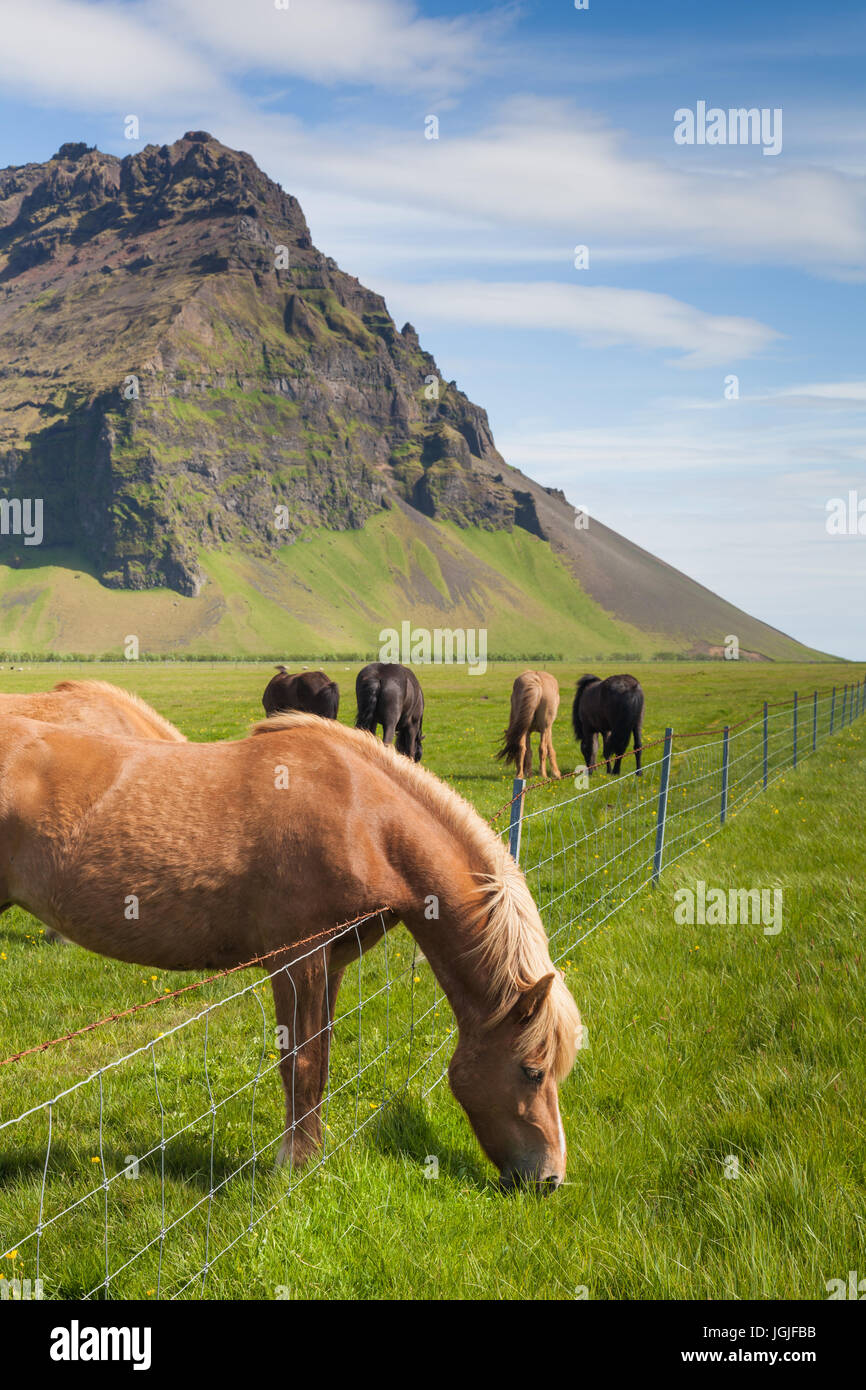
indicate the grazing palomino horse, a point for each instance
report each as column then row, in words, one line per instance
column 534, row 706
column 310, row 691
column 614, row 709
column 237, row 849
column 94, row 705
column 389, row 694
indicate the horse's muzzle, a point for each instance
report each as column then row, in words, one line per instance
column 523, row 1182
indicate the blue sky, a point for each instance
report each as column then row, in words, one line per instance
column 556, row 130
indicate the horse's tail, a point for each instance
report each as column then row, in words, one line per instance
column 368, row 700
column 330, row 700
column 524, row 699
column 575, row 709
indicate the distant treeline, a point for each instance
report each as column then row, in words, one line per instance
column 334, row 657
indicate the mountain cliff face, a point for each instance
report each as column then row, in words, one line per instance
column 191, row 388
column 180, row 368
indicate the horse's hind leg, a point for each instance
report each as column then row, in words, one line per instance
column 299, row 1002
column 542, row 753
column 616, row 746
column 525, row 757
column 606, row 750
column 329, row 1006
column 551, row 750
column 638, row 740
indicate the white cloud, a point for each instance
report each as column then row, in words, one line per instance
column 544, row 170
column 179, row 51
column 383, row 43
column 598, row 315
column 68, row 52
column 849, row 392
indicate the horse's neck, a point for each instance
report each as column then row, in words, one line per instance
column 450, row 943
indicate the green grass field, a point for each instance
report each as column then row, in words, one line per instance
column 706, row 1045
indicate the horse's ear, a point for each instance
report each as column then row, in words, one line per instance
column 530, row 1001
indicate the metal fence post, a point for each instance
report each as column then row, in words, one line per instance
column 833, row 709
column 814, row 721
column 725, row 744
column 661, row 813
column 795, row 728
column 766, row 744
column 844, row 708
column 515, row 823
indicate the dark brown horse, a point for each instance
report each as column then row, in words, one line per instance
column 311, row 691
column 614, row 709
column 389, row 694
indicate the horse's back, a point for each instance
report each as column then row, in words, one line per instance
column 535, row 694
column 548, row 702
column 95, row 707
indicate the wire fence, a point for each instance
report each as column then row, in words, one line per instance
column 142, row 1175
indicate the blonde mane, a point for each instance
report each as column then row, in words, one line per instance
column 514, row 945
column 124, row 697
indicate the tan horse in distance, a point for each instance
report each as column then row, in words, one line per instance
column 94, row 705
column 97, row 706
column 534, row 706
column 235, row 849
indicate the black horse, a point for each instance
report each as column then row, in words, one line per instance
column 390, row 695
column 310, row 691
column 614, row 709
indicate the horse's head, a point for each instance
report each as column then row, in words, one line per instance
column 506, row 1077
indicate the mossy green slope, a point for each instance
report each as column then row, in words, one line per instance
column 332, row 592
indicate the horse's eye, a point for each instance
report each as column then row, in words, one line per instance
column 533, row 1074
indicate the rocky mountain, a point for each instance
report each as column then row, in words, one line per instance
column 183, row 375
column 179, row 361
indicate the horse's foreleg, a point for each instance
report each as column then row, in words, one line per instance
column 638, row 740
column 299, row 1001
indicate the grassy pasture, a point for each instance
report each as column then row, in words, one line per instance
column 705, row 1044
